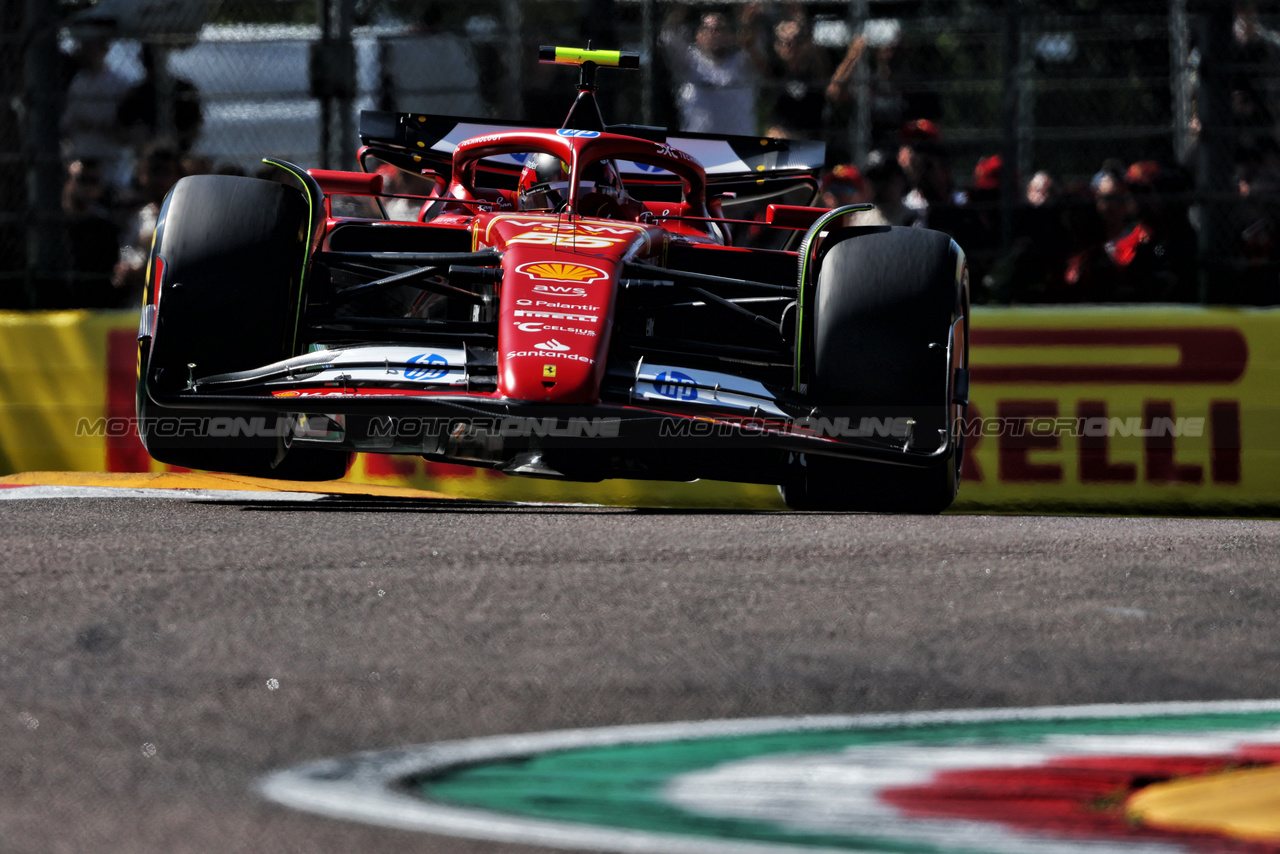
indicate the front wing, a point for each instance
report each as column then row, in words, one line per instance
column 439, row 403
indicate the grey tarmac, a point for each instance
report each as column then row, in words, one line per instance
column 157, row 657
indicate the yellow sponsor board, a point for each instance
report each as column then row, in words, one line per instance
column 53, row 373
column 1102, row 409
column 1164, row 408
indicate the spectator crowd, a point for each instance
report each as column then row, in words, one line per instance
column 124, row 145
column 1128, row 233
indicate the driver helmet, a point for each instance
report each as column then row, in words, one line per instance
column 544, row 183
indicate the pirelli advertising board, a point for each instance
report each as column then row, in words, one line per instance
column 1115, row 409
column 1090, row 409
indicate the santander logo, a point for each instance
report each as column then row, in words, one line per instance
column 553, row 345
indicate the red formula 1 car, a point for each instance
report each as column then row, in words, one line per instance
column 576, row 302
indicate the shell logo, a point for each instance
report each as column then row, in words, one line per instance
column 559, row 272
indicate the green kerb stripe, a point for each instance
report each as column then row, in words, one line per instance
column 621, row 786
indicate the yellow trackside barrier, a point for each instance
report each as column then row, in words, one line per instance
column 1124, row 409
column 53, row 374
column 1096, row 409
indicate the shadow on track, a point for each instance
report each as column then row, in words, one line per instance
column 383, row 504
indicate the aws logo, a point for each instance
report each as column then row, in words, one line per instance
column 561, row 291
column 555, row 271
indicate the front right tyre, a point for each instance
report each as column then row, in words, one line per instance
column 224, row 285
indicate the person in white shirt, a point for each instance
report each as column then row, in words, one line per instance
column 717, row 78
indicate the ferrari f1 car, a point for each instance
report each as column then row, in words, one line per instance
column 577, row 302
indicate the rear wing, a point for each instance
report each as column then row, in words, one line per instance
column 429, row 140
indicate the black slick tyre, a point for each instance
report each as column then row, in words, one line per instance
column 882, row 313
column 225, row 281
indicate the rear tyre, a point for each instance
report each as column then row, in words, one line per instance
column 227, row 262
column 883, row 308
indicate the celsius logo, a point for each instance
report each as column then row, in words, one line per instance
column 439, row 366
column 529, row 327
column 558, row 272
column 675, row 385
column 561, row 290
column 552, row 344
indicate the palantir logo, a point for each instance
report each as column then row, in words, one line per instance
column 675, row 385
column 553, row 345
column 439, row 367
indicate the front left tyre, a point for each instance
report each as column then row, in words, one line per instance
column 884, row 309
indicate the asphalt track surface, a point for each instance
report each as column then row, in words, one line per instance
column 139, row 638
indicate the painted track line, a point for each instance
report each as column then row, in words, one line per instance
column 189, row 485
column 29, row 493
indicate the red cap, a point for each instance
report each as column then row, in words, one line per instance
column 986, row 175
column 920, row 130
column 1144, row 173
column 845, row 173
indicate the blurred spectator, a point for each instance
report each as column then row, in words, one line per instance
column 1257, row 221
column 924, row 162
column 146, row 114
column 843, row 185
column 89, row 126
column 1254, row 53
column 975, row 225
column 1042, row 189
column 716, row 77
column 1034, row 266
column 1092, row 273
column 93, row 240
column 158, row 170
column 892, row 104
column 430, row 69
column 798, row 74
column 888, row 185
column 1157, row 257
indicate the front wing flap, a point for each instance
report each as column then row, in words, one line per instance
column 405, row 399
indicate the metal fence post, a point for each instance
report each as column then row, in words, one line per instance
column 1011, row 60
column 46, row 258
column 1025, row 162
column 1215, row 154
column 514, row 24
column 649, row 80
column 346, row 94
column 332, row 71
column 860, row 122
column 1180, row 77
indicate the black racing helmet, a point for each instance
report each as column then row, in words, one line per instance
column 544, row 183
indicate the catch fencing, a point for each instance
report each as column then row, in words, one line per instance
column 1072, row 88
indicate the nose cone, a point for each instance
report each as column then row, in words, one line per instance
column 551, row 374
column 553, row 330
